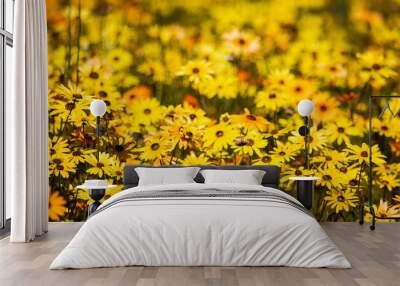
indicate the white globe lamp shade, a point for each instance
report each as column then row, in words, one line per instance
column 305, row 107
column 98, row 107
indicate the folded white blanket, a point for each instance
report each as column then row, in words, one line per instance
column 201, row 224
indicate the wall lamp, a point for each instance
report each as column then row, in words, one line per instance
column 305, row 108
column 98, row 108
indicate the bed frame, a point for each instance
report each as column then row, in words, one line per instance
column 270, row 179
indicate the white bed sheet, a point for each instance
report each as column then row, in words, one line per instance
column 200, row 232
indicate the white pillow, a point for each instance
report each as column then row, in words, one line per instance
column 166, row 176
column 248, row 177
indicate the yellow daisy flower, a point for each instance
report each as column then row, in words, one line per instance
column 119, row 59
column 239, row 42
column 57, row 207
column 249, row 144
column 341, row 130
column 100, row 167
column 250, row 121
column 388, row 181
column 183, row 135
column 220, row 136
column 384, row 210
column 62, row 165
column 360, row 154
column 155, row 148
column 330, row 178
column 271, row 99
column 330, row 158
column 341, row 200
column 192, row 159
column 146, row 111
column 285, row 152
column 197, row 71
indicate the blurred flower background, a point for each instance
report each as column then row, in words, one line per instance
column 217, row 82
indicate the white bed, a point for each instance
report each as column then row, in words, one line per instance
column 185, row 230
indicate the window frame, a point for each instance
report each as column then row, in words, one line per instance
column 6, row 39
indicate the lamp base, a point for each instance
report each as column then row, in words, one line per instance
column 305, row 189
column 96, row 195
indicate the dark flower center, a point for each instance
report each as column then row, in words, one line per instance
column 241, row 41
column 60, row 168
column 225, row 118
column 70, row 106
column 57, row 161
column 240, row 141
column 327, row 177
column 298, row 173
column 376, row 67
column 219, row 133
column 340, row 130
column 298, row 89
column 353, row 182
column 189, row 135
column 119, row 148
column 116, row 59
column 323, row 108
column 272, row 96
column 364, row 154
column 340, row 198
column 94, row 75
column 77, row 96
column 100, row 165
column 195, row 70
column 155, row 146
column 282, row 153
column 266, row 159
column 251, row 117
column 102, row 93
column 314, row 55
column 147, row 111
column 192, row 116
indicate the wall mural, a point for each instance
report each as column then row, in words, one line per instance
column 217, row 82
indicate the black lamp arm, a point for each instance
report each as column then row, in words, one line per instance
column 98, row 137
column 305, row 132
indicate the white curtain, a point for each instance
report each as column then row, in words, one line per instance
column 27, row 124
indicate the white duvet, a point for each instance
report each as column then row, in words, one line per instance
column 200, row 231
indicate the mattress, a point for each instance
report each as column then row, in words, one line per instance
column 201, row 225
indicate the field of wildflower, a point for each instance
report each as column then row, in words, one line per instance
column 217, row 82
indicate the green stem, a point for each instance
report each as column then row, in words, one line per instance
column 173, row 152
column 69, row 38
column 321, row 212
column 62, row 127
column 78, row 41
